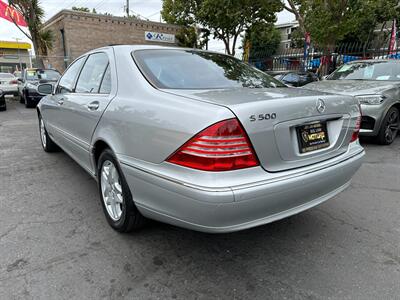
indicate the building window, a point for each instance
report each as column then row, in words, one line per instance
column 288, row 30
column 287, row 45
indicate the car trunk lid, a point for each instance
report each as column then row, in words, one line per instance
column 275, row 120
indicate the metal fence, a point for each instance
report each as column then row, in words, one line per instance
column 318, row 59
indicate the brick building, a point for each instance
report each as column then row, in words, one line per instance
column 77, row 32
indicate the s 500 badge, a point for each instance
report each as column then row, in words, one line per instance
column 262, row 117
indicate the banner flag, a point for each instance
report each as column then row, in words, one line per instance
column 11, row 14
column 393, row 37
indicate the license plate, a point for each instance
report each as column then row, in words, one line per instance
column 312, row 137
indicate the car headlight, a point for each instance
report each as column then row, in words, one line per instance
column 371, row 99
column 31, row 86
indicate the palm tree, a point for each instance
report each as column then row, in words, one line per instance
column 33, row 14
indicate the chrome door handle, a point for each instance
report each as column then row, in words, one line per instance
column 93, row 105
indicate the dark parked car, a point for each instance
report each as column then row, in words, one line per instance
column 295, row 78
column 30, row 81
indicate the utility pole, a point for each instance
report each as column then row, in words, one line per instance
column 127, row 8
column 19, row 55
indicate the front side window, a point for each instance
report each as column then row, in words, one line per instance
column 368, row 70
column 67, row 81
column 191, row 69
column 92, row 74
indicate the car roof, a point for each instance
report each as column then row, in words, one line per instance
column 130, row 48
column 375, row 60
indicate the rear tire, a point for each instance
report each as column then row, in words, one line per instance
column 389, row 127
column 115, row 195
column 47, row 143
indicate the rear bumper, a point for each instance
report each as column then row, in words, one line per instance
column 9, row 90
column 238, row 207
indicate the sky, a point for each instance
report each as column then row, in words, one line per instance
column 146, row 9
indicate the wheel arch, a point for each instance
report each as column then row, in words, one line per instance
column 98, row 147
column 396, row 105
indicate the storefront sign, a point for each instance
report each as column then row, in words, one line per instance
column 159, row 37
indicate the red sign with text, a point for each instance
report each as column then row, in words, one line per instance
column 11, row 14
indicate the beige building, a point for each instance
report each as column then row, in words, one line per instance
column 77, row 32
column 286, row 30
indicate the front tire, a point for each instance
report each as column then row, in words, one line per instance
column 47, row 143
column 116, row 198
column 389, row 128
column 28, row 103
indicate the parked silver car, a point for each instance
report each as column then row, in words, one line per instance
column 198, row 139
column 376, row 84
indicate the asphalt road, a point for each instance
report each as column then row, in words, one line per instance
column 56, row 244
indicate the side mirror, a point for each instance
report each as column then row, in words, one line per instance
column 20, row 80
column 45, row 89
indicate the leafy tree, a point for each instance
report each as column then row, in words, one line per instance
column 298, row 8
column 33, row 14
column 264, row 40
column 331, row 21
column 187, row 37
column 226, row 19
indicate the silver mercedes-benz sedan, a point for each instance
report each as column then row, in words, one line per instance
column 376, row 84
column 198, row 139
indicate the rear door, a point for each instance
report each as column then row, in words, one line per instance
column 83, row 108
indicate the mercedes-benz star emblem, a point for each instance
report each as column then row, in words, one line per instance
column 321, row 106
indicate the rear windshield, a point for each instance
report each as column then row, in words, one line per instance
column 368, row 70
column 50, row 75
column 190, row 69
column 6, row 75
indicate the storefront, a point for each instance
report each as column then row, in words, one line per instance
column 14, row 56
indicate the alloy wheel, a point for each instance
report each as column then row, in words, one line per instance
column 392, row 126
column 43, row 137
column 111, row 190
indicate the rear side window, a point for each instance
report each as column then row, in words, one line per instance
column 92, row 74
column 66, row 83
column 105, row 87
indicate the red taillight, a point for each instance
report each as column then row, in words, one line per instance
column 223, row 146
column 356, row 131
column 14, row 82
